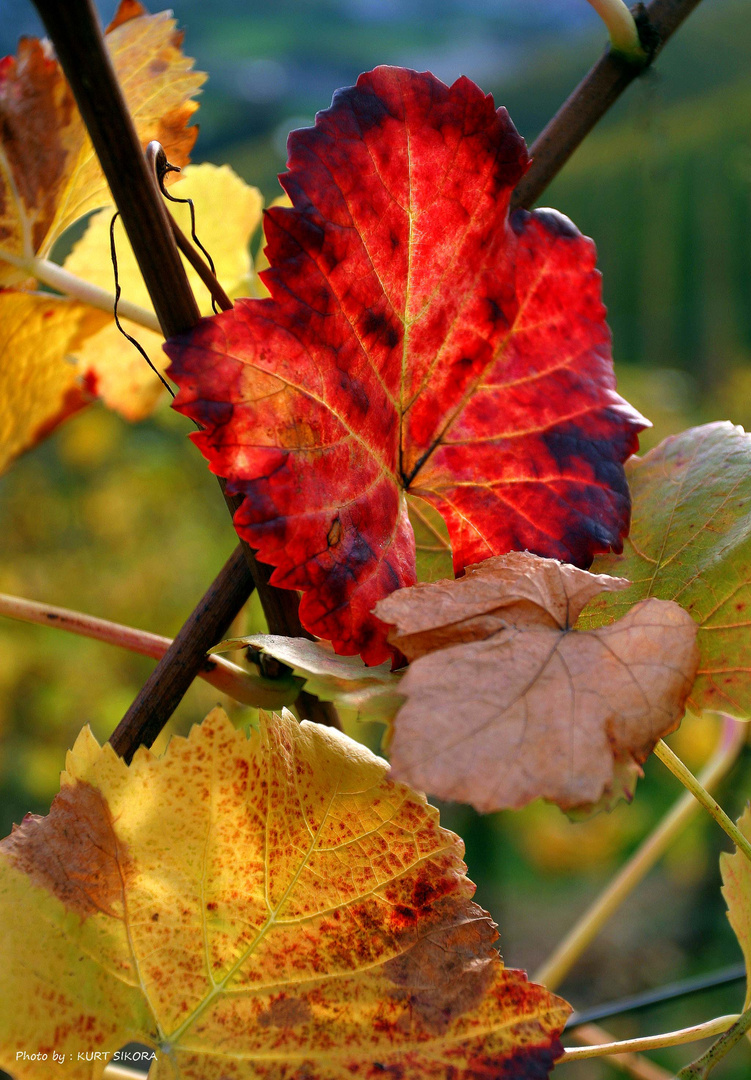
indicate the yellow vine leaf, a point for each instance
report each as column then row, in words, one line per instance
column 272, row 907
column 228, row 212
column 39, row 383
column 736, row 888
column 258, row 288
column 49, row 174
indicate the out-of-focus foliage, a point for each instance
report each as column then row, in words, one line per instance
column 124, row 523
column 39, row 384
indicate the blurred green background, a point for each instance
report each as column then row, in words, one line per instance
column 125, row 522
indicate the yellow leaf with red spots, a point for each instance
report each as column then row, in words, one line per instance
column 736, row 888
column 272, row 907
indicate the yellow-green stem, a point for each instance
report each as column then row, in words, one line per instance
column 702, row 1067
column 636, row 1065
column 624, row 35
column 699, row 792
column 70, row 285
column 652, row 1042
column 568, row 951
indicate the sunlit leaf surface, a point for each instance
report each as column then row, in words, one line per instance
column 264, row 908
column 418, row 340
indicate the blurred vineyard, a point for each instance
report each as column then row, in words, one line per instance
column 124, row 521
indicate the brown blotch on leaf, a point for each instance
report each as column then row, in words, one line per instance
column 447, row 972
column 73, row 852
column 286, row 1012
column 334, row 533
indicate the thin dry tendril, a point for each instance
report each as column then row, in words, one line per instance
column 118, row 291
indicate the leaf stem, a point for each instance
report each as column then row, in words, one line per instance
column 209, row 279
column 624, row 35
column 652, row 1042
column 58, row 278
column 229, row 678
column 641, row 1068
column 701, row 1068
column 557, row 966
column 699, row 792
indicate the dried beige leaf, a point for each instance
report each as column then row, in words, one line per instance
column 506, row 703
column 490, row 596
column 372, row 692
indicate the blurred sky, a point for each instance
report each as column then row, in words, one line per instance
column 288, row 58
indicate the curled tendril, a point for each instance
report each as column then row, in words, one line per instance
column 158, row 160
column 118, row 292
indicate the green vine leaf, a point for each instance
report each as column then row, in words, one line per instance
column 690, row 541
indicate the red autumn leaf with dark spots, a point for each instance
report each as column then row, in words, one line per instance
column 417, row 339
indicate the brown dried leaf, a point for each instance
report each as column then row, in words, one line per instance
column 490, row 596
column 506, row 703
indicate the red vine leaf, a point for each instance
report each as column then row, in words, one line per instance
column 507, row 703
column 417, row 339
